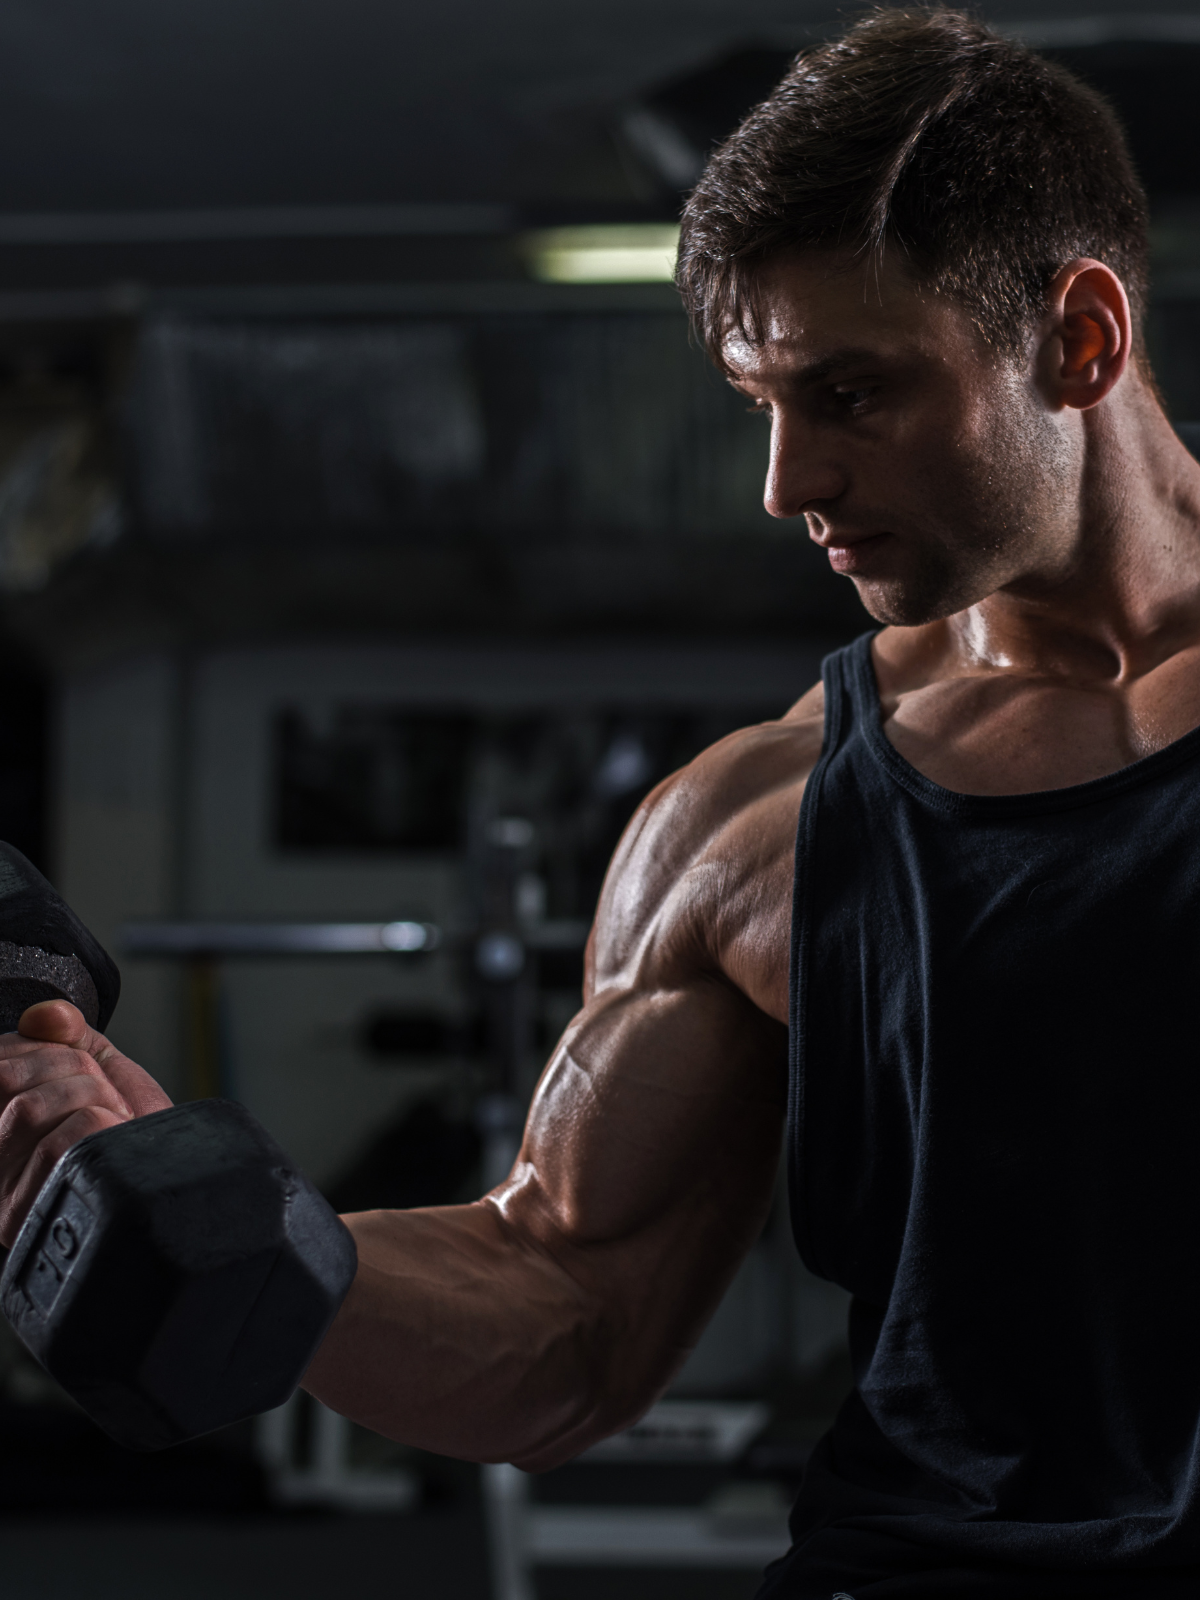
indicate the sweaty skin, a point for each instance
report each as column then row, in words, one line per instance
column 1029, row 527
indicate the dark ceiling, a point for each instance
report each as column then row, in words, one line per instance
column 281, row 141
column 179, row 103
column 162, row 104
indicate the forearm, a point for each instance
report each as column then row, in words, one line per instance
column 461, row 1336
column 552, row 1313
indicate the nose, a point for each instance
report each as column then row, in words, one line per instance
column 802, row 472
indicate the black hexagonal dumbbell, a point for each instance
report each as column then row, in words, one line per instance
column 176, row 1273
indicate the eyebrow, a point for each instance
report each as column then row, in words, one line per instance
column 819, row 371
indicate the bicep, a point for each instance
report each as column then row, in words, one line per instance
column 650, row 1155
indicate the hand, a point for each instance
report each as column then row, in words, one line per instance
column 59, row 1081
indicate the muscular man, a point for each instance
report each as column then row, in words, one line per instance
column 924, row 260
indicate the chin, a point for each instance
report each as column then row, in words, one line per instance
column 897, row 607
column 926, row 597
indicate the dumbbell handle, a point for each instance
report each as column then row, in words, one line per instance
column 29, row 975
column 46, row 953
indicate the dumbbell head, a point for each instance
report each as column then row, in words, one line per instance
column 177, row 1273
column 46, row 953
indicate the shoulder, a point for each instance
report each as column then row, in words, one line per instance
column 733, row 776
column 707, row 857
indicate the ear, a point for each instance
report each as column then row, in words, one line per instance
column 1087, row 334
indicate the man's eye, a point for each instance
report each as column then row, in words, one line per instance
column 854, row 399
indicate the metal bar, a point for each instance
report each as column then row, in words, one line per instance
column 506, row 1509
column 277, row 938
column 204, row 1027
column 182, row 939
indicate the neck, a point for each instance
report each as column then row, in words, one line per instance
column 1119, row 590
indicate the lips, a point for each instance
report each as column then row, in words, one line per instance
column 849, row 555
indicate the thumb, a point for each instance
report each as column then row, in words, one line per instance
column 59, row 1022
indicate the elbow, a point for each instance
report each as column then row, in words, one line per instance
column 619, row 1389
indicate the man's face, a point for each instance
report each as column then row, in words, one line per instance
column 931, row 468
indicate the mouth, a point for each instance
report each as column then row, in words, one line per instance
column 850, row 555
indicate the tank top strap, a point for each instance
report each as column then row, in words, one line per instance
column 851, row 698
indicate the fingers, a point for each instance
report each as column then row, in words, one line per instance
column 45, row 1088
column 136, row 1087
column 16, row 1200
column 59, row 1022
column 45, row 1064
column 59, row 1081
column 42, row 1120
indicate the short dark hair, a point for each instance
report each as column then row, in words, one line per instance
column 986, row 165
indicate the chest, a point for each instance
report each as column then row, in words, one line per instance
column 1000, row 733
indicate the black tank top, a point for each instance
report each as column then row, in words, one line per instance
column 994, row 1140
